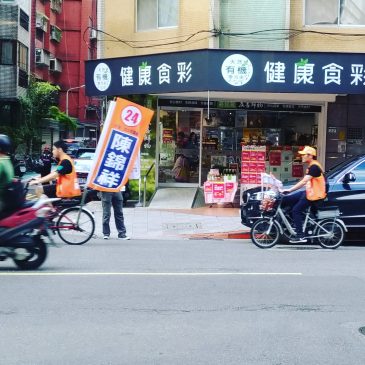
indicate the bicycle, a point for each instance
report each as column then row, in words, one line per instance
column 73, row 223
column 321, row 225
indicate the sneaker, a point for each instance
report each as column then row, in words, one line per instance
column 298, row 240
column 123, row 237
column 106, row 237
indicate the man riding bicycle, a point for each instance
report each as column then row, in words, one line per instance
column 315, row 190
column 67, row 185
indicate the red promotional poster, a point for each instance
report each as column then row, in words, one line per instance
column 208, row 187
column 253, row 155
column 253, row 167
column 167, row 135
column 245, row 167
column 252, row 178
column 275, row 158
column 261, row 156
column 245, row 178
column 229, row 187
column 260, row 166
column 218, row 190
column 297, row 170
column 245, row 155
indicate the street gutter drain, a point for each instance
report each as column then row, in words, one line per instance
column 362, row 330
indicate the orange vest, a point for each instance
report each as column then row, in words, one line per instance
column 68, row 185
column 316, row 186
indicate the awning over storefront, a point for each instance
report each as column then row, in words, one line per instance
column 228, row 71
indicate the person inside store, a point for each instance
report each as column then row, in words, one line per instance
column 181, row 169
column 192, row 141
column 181, row 140
column 67, row 185
column 46, row 158
column 315, row 191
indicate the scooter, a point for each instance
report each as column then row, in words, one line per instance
column 24, row 235
column 19, row 167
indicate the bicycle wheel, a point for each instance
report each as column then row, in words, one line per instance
column 260, row 235
column 74, row 234
column 332, row 240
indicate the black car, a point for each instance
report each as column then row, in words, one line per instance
column 346, row 189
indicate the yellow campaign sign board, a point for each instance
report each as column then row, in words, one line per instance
column 124, row 128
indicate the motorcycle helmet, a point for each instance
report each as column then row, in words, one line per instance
column 5, row 144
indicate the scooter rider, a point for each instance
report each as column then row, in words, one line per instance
column 315, row 190
column 6, row 167
column 46, row 158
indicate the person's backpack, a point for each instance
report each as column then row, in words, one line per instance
column 14, row 196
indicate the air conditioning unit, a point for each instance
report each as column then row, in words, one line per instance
column 55, row 65
column 56, row 34
column 41, row 57
column 41, row 22
column 93, row 34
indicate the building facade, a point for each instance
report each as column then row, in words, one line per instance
column 62, row 42
column 15, row 42
column 335, row 26
column 220, row 122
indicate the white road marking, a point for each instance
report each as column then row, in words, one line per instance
column 27, row 273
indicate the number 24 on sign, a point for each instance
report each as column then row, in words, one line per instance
column 131, row 116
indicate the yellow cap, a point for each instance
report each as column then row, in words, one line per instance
column 308, row 151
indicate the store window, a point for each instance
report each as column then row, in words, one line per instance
column 24, row 19
column 246, row 143
column 335, row 12
column 155, row 14
column 179, row 146
column 23, row 57
column 7, row 52
column 222, row 137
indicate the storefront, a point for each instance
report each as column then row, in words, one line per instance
column 203, row 141
column 218, row 108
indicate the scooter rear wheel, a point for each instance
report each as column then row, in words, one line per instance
column 37, row 256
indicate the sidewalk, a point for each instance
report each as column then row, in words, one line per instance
column 199, row 223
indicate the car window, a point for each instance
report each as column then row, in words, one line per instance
column 359, row 172
column 333, row 171
column 86, row 155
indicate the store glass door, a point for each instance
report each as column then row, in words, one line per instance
column 179, row 142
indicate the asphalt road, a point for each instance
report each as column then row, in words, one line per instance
column 187, row 302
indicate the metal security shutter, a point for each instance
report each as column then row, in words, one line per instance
column 246, row 16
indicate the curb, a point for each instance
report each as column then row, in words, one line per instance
column 220, row 235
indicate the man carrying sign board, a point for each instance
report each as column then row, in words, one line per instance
column 124, row 128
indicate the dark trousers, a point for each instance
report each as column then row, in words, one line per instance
column 116, row 200
column 299, row 204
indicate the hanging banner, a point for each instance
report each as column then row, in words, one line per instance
column 125, row 126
